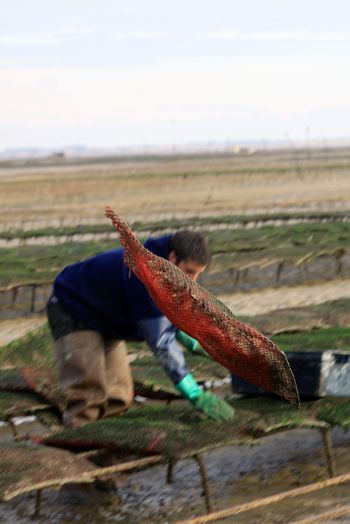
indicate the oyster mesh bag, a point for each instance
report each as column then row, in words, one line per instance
column 191, row 308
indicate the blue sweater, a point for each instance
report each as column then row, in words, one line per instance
column 103, row 295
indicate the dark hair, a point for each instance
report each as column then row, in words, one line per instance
column 190, row 245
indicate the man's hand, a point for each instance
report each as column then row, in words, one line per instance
column 213, row 406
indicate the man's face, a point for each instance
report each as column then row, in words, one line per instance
column 189, row 267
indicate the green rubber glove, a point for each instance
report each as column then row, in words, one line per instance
column 213, row 406
column 190, row 343
column 189, row 388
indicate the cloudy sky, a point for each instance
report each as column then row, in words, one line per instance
column 135, row 72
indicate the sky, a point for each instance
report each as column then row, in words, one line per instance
column 112, row 73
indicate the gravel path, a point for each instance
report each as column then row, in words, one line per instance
column 259, row 302
column 17, row 327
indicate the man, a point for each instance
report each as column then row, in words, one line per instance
column 96, row 305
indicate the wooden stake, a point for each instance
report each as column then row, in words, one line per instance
column 37, row 509
column 205, row 482
column 328, row 449
column 170, row 471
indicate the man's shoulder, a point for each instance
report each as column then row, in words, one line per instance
column 159, row 245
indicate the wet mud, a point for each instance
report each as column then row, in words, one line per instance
column 236, row 474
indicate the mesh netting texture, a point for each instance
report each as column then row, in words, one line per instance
column 178, row 430
column 13, row 404
column 191, row 308
column 29, row 365
column 25, row 467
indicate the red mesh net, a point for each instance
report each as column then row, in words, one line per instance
column 191, row 308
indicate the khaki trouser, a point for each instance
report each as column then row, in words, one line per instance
column 95, row 376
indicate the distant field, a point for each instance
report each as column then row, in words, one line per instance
column 75, row 192
column 67, row 196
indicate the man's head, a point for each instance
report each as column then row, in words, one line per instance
column 189, row 251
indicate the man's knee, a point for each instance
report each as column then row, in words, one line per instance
column 77, row 414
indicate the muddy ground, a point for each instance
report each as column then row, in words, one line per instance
column 237, row 474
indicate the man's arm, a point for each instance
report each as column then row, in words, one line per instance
column 159, row 333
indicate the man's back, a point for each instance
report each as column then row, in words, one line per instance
column 101, row 293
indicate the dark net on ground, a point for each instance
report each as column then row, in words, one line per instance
column 177, row 430
column 25, row 467
column 29, row 365
column 14, row 404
